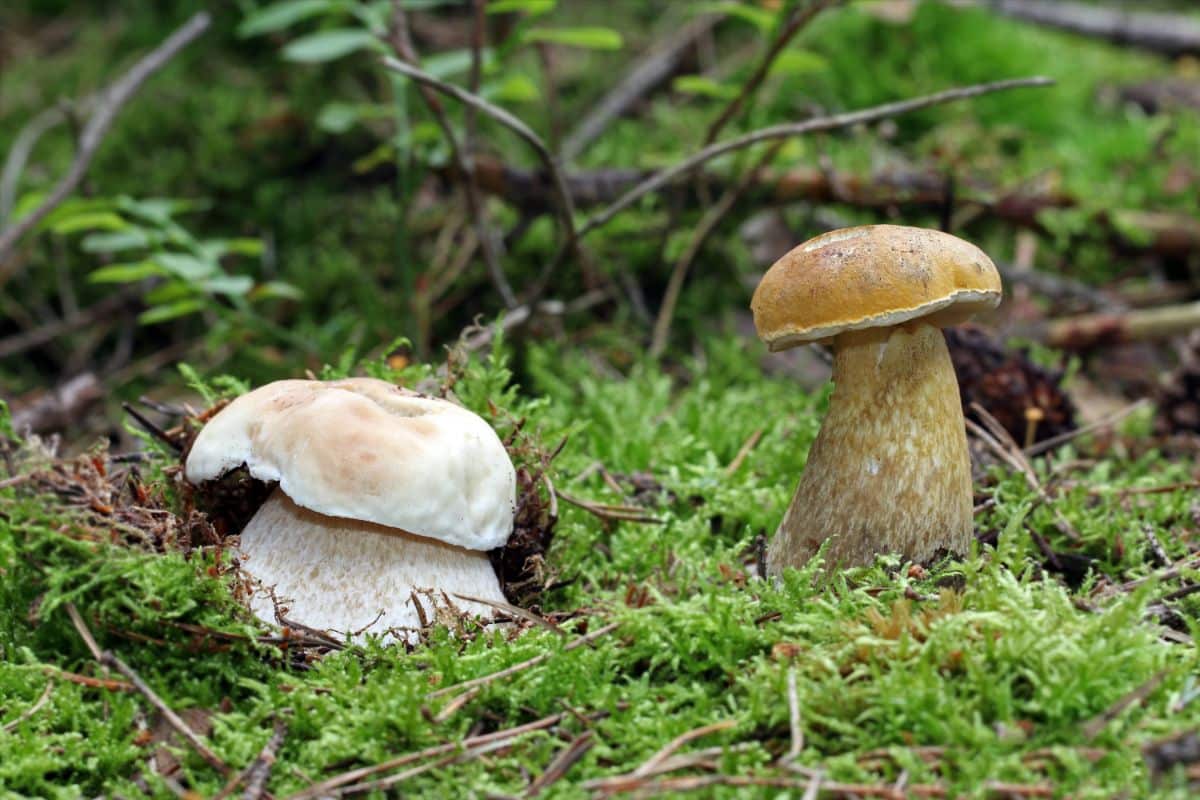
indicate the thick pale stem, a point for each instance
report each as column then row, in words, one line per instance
column 344, row 575
column 889, row 471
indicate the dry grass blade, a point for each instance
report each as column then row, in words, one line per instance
column 9, row 727
column 516, row 612
column 1100, row 424
column 1094, row 727
column 743, row 452
column 566, row 758
column 524, row 665
column 679, row 741
column 454, row 749
column 606, row 511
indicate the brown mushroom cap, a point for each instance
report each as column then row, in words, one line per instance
column 871, row 276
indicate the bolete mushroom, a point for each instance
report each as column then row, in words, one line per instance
column 381, row 493
column 889, row 471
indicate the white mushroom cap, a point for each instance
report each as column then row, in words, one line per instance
column 363, row 449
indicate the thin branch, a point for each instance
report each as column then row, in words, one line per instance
column 712, row 218
column 108, row 659
column 797, row 22
column 647, row 72
column 401, row 42
column 566, row 205
column 108, row 105
column 788, row 130
column 9, row 727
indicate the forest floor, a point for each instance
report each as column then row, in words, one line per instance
column 311, row 222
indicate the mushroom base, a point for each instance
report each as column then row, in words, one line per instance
column 889, row 471
column 356, row 577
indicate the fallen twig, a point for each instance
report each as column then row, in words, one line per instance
column 108, row 659
column 1169, row 34
column 402, row 44
column 743, row 452
column 563, row 761
column 1094, row 727
column 566, row 205
column 796, row 22
column 647, row 72
column 108, row 105
column 789, row 130
column 668, row 750
column 611, row 512
column 1100, row 424
column 454, row 749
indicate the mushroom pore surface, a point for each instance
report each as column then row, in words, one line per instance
column 889, row 471
column 344, row 575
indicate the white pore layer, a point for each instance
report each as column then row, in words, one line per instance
column 345, row 576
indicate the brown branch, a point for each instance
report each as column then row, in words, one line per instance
column 453, row 749
column 108, row 105
column 1087, row 331
column 797, row 22
column 647, row 72
column 108, row 659
column 566, row 758
column 789, row 130
column 1169, row 34
column 566, row 207
column 109, row 307
column 401, row 43
column 704, row 229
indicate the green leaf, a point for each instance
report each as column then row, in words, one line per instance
column 454, row 62
column 231, row 285
column 276, row 290
column 328, row 45
column 89, row 221
column 278, row 16
column 185, row 266
column 180, row 308
column 115, row 242
column 798, row 62
column 338, row 117
column 591, row 38
column 6, row 426
column 241, row 246
column 515, row 88
column 703, row 87
column 534, row 8
column 760, row 18
column 130, row 272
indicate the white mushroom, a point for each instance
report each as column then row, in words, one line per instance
column 382, row 494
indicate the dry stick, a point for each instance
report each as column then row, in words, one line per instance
column 524, row 665
column 563, row 196
column 646, row 73
column 256, row 773
column 796, row 23
column 797, row 729
column 515, row 611
column 566, row 758
column 652, row 763
column 9, row 727
column 616, row 513
column 454, row 705
column 788, row 130
column 401, row 42
column 1093, row 728
column 1105, row 422
column 1171, row 34
column 667, row 786
column 88, row 681
column 108, row 659
column 712, row 218
column 743, row 452
column 108, row 105
column 453, row 748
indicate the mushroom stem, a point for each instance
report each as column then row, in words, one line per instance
column 889, row 471
column 343, row 575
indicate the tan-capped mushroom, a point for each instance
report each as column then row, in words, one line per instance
column 889, row 471
column 382, row 494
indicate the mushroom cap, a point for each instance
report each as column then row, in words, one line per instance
column 868, row 277
column 363, row 449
